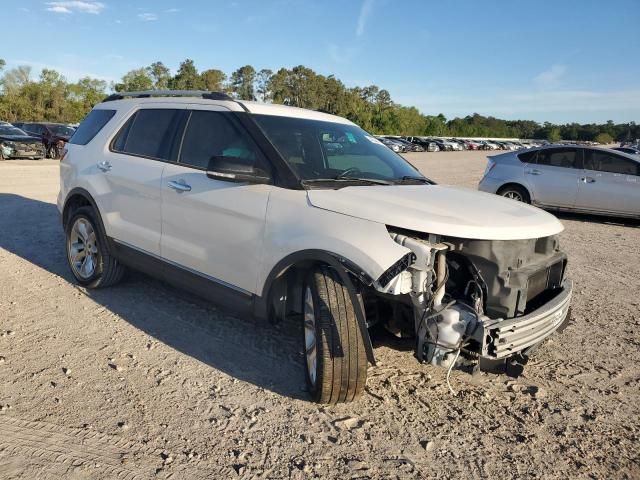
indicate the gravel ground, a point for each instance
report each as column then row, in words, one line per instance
column 144, row 381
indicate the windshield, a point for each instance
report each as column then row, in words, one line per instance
column 10, row 130
column 61, row 130
column 319, row 150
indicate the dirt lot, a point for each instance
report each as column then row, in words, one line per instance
column 142, row 380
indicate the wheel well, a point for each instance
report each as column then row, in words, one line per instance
column 73, row 203
column 285, row 292
column 514, row 184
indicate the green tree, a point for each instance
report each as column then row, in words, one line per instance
column 213, row 80
column 187, row 77
column 160, row 75
column 554, row 135
column 604, row 138
column 134, row 81
column 263, row 79
column 242, row 81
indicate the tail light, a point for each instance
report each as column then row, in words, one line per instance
column 490, row 165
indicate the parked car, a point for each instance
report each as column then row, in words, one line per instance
column 573, row 178
column 240, row 202
column 54, row 136
column 15, row 143
column 424, row 142
column 442, row 145
column 395, row 146
column 408, row 146
column 629, row 150
column 489, row 145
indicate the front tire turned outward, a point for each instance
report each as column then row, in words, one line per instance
column 87, row 254
column 335, row 356
column 515, row 192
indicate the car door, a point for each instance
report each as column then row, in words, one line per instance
column 610, row 183
column 211, row 227
column 132, row 172
column 554, row 175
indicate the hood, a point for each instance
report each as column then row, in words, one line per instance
column 19, row 138
column 439, row 209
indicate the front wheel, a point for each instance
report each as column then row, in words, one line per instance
column 336, row 360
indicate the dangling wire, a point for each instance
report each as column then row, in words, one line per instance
column 453, row 392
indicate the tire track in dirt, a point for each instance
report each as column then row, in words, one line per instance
column 71, row 447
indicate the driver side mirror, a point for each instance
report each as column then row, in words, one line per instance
column 236, row 169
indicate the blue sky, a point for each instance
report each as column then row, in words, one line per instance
column 559, row 61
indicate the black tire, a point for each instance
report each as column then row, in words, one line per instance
column 108, row 271
column 515, row 192
column 52, row 152
column 341, row 367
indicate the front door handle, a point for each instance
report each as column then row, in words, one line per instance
column 588, row 179
column 179, row 186
column 534, row 172
column 104, row 166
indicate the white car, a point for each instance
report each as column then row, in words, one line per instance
column 275, row 212
column 455, row 146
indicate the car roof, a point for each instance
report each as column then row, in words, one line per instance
column 257, row 108
column 591, row 147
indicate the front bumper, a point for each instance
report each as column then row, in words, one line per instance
column 504, row 338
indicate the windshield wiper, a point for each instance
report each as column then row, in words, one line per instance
column 409, row 178
column 346, row 179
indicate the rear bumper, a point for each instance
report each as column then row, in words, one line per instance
column 505, row 338
column 490, row 185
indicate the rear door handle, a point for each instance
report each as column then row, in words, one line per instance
column 104, row 166
column 179, row 186
column 588, row 179
column 533, row 171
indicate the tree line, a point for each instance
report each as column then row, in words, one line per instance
column 51, row 97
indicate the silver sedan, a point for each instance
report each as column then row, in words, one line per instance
column 571, row 178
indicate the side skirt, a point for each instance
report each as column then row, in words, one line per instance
column 223, row 295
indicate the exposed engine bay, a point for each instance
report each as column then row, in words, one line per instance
column 481, row 303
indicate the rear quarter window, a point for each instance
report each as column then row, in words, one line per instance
column 528, row 157
column 91, row 125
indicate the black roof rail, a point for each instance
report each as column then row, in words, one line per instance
column 170, row 93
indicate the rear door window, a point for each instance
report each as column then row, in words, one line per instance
column 148, row 133
column 601, row 161
column 559, row 157
column 91, row 125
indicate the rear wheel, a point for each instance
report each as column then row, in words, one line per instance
column 335, row 357
column 87, row 252
column 515, row 192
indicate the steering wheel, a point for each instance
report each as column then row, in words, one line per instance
column 345, row 173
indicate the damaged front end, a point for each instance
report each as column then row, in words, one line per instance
column 485, row 303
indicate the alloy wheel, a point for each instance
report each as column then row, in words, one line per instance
column 311, row 351
column 513, row 195
column 83, row 249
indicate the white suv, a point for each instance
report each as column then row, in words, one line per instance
column 277, row 211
